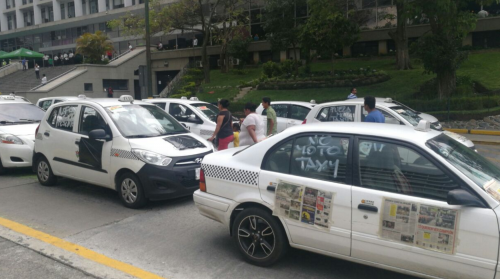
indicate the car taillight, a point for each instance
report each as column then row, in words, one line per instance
column 203, row 185
column 36, row 131
column 304, row 122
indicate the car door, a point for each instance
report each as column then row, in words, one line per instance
column 184, row 115
column 389, row 117
column 400, row 216
column 93, row 155
column 337, row 113
column 297, row 115
column 61, row 137
column 306, row 179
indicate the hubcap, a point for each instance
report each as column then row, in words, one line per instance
column 256, row 237
column 43, row 171
column 129, row 190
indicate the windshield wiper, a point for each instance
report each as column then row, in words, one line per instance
column 7, row 122
column 175, row 133
column 141, row 136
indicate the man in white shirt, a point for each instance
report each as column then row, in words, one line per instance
column 129, row 46
column 44, row 79
column 56, row 59
column 195, row 42
column 71, row 58
column 252, row 128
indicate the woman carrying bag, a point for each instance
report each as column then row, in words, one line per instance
column 224, row 129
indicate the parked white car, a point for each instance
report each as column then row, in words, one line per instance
column 18, row 122
column 129, row 146
column 45, row 103
column 406, row 199
column 199, row 117
column 288, row 113
column 394, row 112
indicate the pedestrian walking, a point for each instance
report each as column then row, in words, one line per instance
column 252, row 128
column 374, row 115
column 224, row 131
column 110, row 92
column 44, row 79
column 272, row 124
column 353, row 93
column 24, row 64
column 236, row 134
column 129, row 46
column 37, row 71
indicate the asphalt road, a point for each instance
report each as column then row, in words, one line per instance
column 170, row 238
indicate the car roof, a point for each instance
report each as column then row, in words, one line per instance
column 68, row 98
column 8, row 99
column 307, row 104
column 379, row 102
column 174, row 100
column 398, row 132
column 104, row 102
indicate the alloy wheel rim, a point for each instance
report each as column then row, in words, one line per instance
column 256, row 237
column 129, row 190
column 43, row 171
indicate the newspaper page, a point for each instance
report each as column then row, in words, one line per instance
column 304, row 204
column 492, row 187
column 398, row 220
column 437, row 228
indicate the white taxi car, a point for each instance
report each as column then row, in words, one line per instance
column 130, row 146
column 394, row 112
column 411, row 200
column 288, row 113
column 45, row 103
column 199, row 117
column 18, row 122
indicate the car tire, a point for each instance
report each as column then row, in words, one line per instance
column 2, row 169
column 44, row 172
column 259, row 237
column 130, row 191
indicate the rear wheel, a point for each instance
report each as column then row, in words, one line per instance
column 259, row 237
column 130, row 191
column 44, row 172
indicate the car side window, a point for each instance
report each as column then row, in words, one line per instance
column 321, row 157
column 180, row 112
column 161, row 105
column 299, row 112
column 389, row 119
column 45, row 104
column 57, row 101
column 63, row 118
column 395, row 168
column 337, row 114
column 281, row 110
column 279, row 158
column 91, row 120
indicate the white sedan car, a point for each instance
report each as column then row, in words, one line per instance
column 288, row 113
column 411, row 200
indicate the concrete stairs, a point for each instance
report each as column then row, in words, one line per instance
column 242, row 93
column 26, row 80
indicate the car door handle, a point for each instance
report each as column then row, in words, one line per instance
column 367, row 207
column 271, row 188
column 47, row 134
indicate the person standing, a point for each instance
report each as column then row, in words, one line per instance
column 236, row 134
column 256, row 38
column 4, row 63
column 353, row 93
column 56, row 59
column 61, row 58
column 44, row 79
column 129, row 46
column 160, row 46
column 110, row 92
column 272, row 124
column 37, row 71
column 224, row 129
column 109, row 54
column 51, row 62
column 45, row 60
column 195, row 42
column 71, row 60
column 374, row 115
column 252, row 128
column 24, row 64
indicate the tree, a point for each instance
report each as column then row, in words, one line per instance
column 328, row 28
column 440, row 49
column 281, row 26
column 238, row 46
column 400, row 36
column 93, row 46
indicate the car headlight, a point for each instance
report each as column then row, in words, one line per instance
column 152, row 157
column 10, row 139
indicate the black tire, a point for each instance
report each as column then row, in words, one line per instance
column 44, row 172
column 2, row 169
column 130, row 191
column 251, row 228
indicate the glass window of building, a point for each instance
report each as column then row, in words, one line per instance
column 25, row 2
column 84, row 7
column 118, row 4
column 63, row 14
column 51, row 14
column 10, row 22
column 71, row 9
column 93, row 6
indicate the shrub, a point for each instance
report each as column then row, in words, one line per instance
column 271, row 69
column 195, row 72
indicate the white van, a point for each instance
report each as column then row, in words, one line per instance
column 130, row 146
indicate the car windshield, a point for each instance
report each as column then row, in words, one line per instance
column 470, row 163
column 20, row 113
column 208, row 110
column 407, row 114
column 142, row 121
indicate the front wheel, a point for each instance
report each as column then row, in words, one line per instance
column 259, row 237
column 44, row 172
column 130, row 191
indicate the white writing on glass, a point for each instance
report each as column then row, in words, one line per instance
column 318, row 146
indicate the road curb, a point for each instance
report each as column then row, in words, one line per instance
column 486, row 142
column 474, row 132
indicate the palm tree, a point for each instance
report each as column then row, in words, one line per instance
column 93, row 46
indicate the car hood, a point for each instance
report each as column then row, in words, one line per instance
column 461, row 139
column 173, row 145
column 20, row 130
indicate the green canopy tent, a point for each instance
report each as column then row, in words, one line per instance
column 22, row 53
column 2, row 53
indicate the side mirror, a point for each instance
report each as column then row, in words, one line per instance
column 98, row 134
column 193, row 119
column 463, row 198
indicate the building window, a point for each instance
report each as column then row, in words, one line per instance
column 88, row 87
column 51, row 14
column 63, row 14
column 116, row 84
column 71, row 9
column 118, row 4
column 93, row 6
column 25, row 2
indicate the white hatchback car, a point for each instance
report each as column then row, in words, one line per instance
column 199, row 117
column 395, row 113
column 18, row 122
column 407, row 199
column 130, row 146
column 45, row 103
column 288, row 113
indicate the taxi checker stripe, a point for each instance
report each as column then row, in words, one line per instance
column 231, row 174
column 120, row 153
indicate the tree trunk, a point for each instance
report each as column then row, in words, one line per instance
column 400, row 37
column 447, row 84
column 222, row 59
column 296, row 63
column 333, row 60
column 204, row 56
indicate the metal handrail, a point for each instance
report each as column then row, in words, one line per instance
column 51, row 80
column 119, row 56
column 171, row 85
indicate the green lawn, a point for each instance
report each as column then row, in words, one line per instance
column 482, row 67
